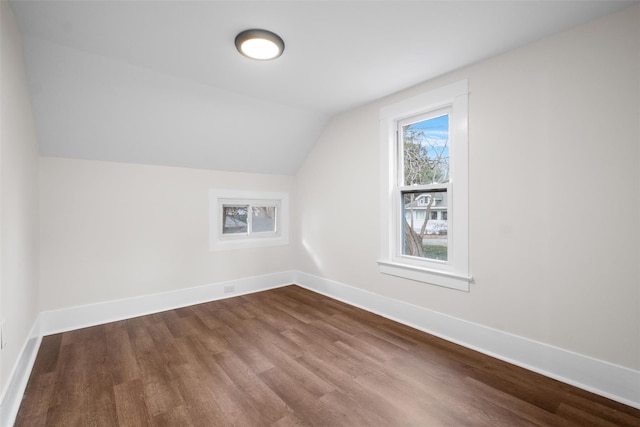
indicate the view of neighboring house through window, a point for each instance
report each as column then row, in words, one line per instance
column 423, row 175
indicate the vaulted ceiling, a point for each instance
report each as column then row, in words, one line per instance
column 160, row 82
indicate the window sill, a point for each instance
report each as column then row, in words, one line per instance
column 434, row 277
column 224, row 245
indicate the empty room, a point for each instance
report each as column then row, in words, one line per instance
column 319, row 213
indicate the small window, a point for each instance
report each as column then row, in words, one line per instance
column 247, row 219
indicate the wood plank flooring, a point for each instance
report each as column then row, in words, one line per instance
column 289, row 357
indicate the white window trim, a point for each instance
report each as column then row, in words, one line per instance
column 220, row 242
column 454, row 273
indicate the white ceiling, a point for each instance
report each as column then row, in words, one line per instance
column 160, row 82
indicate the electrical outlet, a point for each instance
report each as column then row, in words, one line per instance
column 3, row 335
column 229, row 288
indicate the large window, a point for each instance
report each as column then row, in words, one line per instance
column 239, row 219
column 424, row 162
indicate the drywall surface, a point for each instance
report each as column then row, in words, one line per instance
column 18, row 200
column 116, row 230
column 554, row 194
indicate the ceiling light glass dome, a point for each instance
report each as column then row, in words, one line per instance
column 259, row 44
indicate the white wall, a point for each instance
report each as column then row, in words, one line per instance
column 18, row 199
column 116, row 230
column 554, row 194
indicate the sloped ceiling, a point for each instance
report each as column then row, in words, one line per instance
column 160, row 82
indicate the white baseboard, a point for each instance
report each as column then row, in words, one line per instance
column 67, row 319
column 603, row 378
column 15, row 387
column 612, row 381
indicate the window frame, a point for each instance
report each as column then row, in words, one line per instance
column 453, row 273
column 219, row 241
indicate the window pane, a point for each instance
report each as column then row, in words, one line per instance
column 425, row 147
column 234, row 219
column 423, row 236
column 264, row 219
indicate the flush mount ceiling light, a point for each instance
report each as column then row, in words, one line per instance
column 259, row 44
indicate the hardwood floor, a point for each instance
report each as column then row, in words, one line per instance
column 288, row 357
